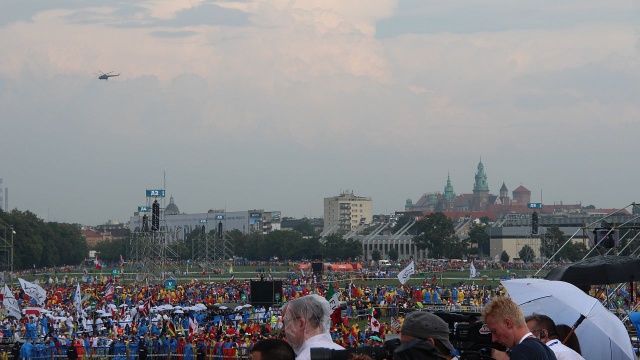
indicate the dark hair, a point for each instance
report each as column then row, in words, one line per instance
column 274, row 349
column 545, row 323
column 572, row 342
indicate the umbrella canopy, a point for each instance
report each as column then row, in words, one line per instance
column 602, row 335
column 598, row 270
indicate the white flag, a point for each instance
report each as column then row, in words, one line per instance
column 406, row 273
column 472, row 270
column 77, row 299
column 10, row 303
column 374, row 324
column 34, row 291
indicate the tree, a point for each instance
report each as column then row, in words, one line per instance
column 478, row 235
column 551, row 241
column 375, row 255
column 526, row 254
column 393, row 254
column 437, row 235
column 304, row 228
column 504, row 257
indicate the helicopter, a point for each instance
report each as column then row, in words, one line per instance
column 106, row 76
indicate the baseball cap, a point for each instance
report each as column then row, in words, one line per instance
column 424, row 325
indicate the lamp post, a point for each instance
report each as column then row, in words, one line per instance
column 12, row 233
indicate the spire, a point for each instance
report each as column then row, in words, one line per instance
column 480, row 184
column 449, row 194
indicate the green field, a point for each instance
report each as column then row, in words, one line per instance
column 485, row 277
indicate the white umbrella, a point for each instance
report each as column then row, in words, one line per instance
column 602, row 335
column 223, row 308
column 200, row 306
column 178, row 311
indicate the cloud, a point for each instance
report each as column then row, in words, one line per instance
column 260, row 94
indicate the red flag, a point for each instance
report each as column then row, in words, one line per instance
column 434, row 278
column 98, row 264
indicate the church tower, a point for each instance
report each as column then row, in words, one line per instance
column 504, row 195
column 480, row 190
column 449, row 195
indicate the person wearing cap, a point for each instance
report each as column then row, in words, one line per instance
column 306, row 322
column 424, row 335
column 508, row 327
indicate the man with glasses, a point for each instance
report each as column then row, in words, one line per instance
column 544, row 328
column 306, row 322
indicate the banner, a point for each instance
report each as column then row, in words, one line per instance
column 10, row 303
column 34, row 291
column 406, row 273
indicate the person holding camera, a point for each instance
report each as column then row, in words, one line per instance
column 424, row 336
column 544, row 328
column 306, row 322
column 509, row 328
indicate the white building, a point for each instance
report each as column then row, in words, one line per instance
column 347, row 211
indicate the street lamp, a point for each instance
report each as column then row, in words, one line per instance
column 12, row 233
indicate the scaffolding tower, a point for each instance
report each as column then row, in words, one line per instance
column 151, row 242
column 6, row 247
column 211, row 248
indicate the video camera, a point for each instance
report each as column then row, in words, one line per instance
column 375, row 352
column 469, row 335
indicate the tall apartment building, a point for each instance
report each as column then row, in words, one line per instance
column 347, row 210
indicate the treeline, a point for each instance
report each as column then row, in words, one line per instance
column 38, row 243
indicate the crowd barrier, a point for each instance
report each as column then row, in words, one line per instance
column 132, row 353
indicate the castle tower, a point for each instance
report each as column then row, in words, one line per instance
column 504, row 195
column 449, row 195
column 480, row 190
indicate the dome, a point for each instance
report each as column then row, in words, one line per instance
column 172, row 208
column 409, row 202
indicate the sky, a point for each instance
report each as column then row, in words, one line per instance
column 275, row 105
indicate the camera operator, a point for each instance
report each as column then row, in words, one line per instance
column 424, row 336
column 306, row 323
column 508, row 327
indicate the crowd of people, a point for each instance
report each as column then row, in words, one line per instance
column 192, row 321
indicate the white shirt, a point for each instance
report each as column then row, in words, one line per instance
column 562, row 351
column 321, row 341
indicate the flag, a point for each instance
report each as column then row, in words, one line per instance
column 34, row 291
column 193, row 325
column 10, row 303
column 77, row 299
column 434, row 278
column 395, row 325
column 171, row 328
column 109, row 291
column 472, row 270
column 334, row 303
column 98, row 264
column 121, row 261
column 406, row 273
column 233, row 277
column 374, row 324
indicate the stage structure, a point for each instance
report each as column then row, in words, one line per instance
column 6, row 248
column 211, row 247
column 151, row 244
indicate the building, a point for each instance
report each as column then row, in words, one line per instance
column 347, row 211
column 4, row 197
column 181, row 224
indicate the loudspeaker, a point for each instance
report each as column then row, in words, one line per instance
column 317, row 267
column 264, row 292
